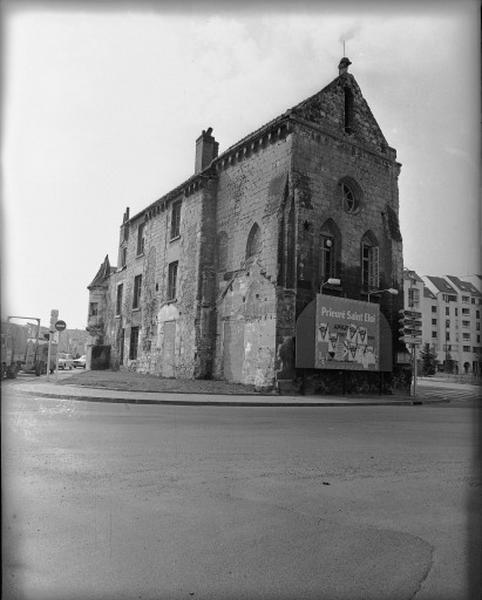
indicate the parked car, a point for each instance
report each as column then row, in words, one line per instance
column 79, row 362
column 65, row 361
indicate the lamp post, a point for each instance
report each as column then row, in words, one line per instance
column 331, row 281
column 391, row 291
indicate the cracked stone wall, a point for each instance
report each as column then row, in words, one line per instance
column 167, row 343
column 250, row 191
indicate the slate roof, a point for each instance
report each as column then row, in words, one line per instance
column 427, row 293
column 104, row 271
column 464, row 286
column 408, row 274
column 442, row 284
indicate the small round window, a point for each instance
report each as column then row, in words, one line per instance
column 349, row 198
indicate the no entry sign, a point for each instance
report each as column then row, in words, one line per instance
column 60, row 325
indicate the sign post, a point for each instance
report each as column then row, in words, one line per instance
column 54, row 315
column 411, row 334
column 59, row 326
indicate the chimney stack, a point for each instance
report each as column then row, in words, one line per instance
column 344, row 64
column 206, row 150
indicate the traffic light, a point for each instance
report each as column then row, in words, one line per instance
column 46, row 336
column 410, row 326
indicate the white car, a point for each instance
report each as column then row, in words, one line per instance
column 65, row 361
column 79, row 362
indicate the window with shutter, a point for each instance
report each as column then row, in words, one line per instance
column 370, row 259
column 374, row 274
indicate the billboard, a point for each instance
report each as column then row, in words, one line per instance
column 347, row 334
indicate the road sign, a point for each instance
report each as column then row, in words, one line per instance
column 54, row 317
column 410, row 326
column 412, row 340
column 60, row 325
column 411, row 314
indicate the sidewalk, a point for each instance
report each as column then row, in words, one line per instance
column 125, row 387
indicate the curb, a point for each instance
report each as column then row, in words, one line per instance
column 117, row 400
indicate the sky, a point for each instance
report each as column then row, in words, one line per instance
column 102, row 103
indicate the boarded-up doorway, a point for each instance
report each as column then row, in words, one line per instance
column 100, row 358
column 168, row 348
column 233, row 350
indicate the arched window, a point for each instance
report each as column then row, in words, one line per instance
column 330, row 247
column 253, row 245
column 370, row 261
column 351, row 194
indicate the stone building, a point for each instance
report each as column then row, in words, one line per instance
column 212, row 276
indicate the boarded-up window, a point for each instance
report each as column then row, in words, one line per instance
column 120, row 291
column 172, row 281
column 168, row 349
column 133, row 343
column 137, row 291
column 140, row 239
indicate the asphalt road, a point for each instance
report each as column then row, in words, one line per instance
column 133, row 502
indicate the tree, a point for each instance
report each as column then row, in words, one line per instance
column 449, row 363
column 429, row 360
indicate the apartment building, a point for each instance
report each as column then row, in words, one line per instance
column 451, row 309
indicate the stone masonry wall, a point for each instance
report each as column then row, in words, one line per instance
column 156, row 309
column 320, row 162
column 249, row 191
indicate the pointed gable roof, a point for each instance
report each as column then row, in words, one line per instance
column 324, row 109
column 464, row 286
column 102, row 274
column 442, row 284
column 409, row 274
column 327, row 109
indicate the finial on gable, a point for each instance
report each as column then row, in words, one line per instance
column 344, row 64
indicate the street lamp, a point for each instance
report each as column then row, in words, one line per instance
column 391, row 291
column 330, row 281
